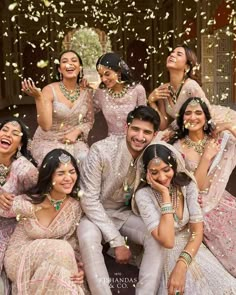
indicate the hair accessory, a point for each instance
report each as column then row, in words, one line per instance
column 15, row 123
column 157, row 160
column 194, row 102
column 64, row 159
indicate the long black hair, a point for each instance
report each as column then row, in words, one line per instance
column 50, row 163
column 182, row 131
column 115, row 63
column 166, row 155
column 81, row 73
column 24, row 138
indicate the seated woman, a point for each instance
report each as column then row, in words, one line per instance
column 42, row 253
column 64, row 110
column 17, row 175
column 169, row 208
column 168, row 98
column 118, row 93
column 211, row 156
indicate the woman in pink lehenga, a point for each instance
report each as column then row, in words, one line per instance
column 118, row 93
column 64, row 110
column 17, row 175
column 42, row 256
column 211, row 155
column 184, row 82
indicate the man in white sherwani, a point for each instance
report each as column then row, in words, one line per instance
column 109, row 176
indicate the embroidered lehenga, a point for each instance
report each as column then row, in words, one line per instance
column 116, row 109
column 41, row 260
column 65, row 120
column 204, row 273
column 219, row 206
column 23, row 175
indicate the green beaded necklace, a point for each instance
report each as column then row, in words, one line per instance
column 68, row 93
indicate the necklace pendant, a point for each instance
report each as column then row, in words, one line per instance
column 57, row 206
column 127, row 199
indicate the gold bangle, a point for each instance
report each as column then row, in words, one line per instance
column 185, row 262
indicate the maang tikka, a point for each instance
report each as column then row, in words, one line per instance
column 64, row 159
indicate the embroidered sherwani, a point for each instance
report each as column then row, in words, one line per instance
column 105, row 175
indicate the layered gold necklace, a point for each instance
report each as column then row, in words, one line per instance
column 120, row 94
column 4, row 171
column 69, row 93
column 198, row 146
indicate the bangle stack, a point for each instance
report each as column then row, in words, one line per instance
column 185, row 257
column 167, row 208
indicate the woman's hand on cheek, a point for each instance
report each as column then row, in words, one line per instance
column 156, row 185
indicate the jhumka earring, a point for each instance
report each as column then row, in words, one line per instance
column 205, row 126
column 119, row 79
column 61, row 77
column 18, row 154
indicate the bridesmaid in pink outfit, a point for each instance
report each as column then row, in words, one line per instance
column 17, row 175
column 211, row 155
column 43, row 253
column 118, row 93
column 64, row 110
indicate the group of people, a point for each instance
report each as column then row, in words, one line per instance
column 61, row 201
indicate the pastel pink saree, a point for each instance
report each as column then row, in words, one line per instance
column 41, row 260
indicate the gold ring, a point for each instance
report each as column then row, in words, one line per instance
column 67, row 141
column 27, row 89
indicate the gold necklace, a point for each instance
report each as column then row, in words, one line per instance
column 175, row 94
column 198, row 146
column 56, row 203
column 4, row 171
column 120, row 94
column 69, row 93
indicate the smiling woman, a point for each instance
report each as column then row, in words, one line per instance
column 48, row 217
column 168, row 203
column 64, row 110
column 118, row 93
column 17, row 174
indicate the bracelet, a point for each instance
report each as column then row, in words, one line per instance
column 167, row 209
column 181, row 259
column 193, row 236
column 186, row 256
column 166, row 205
